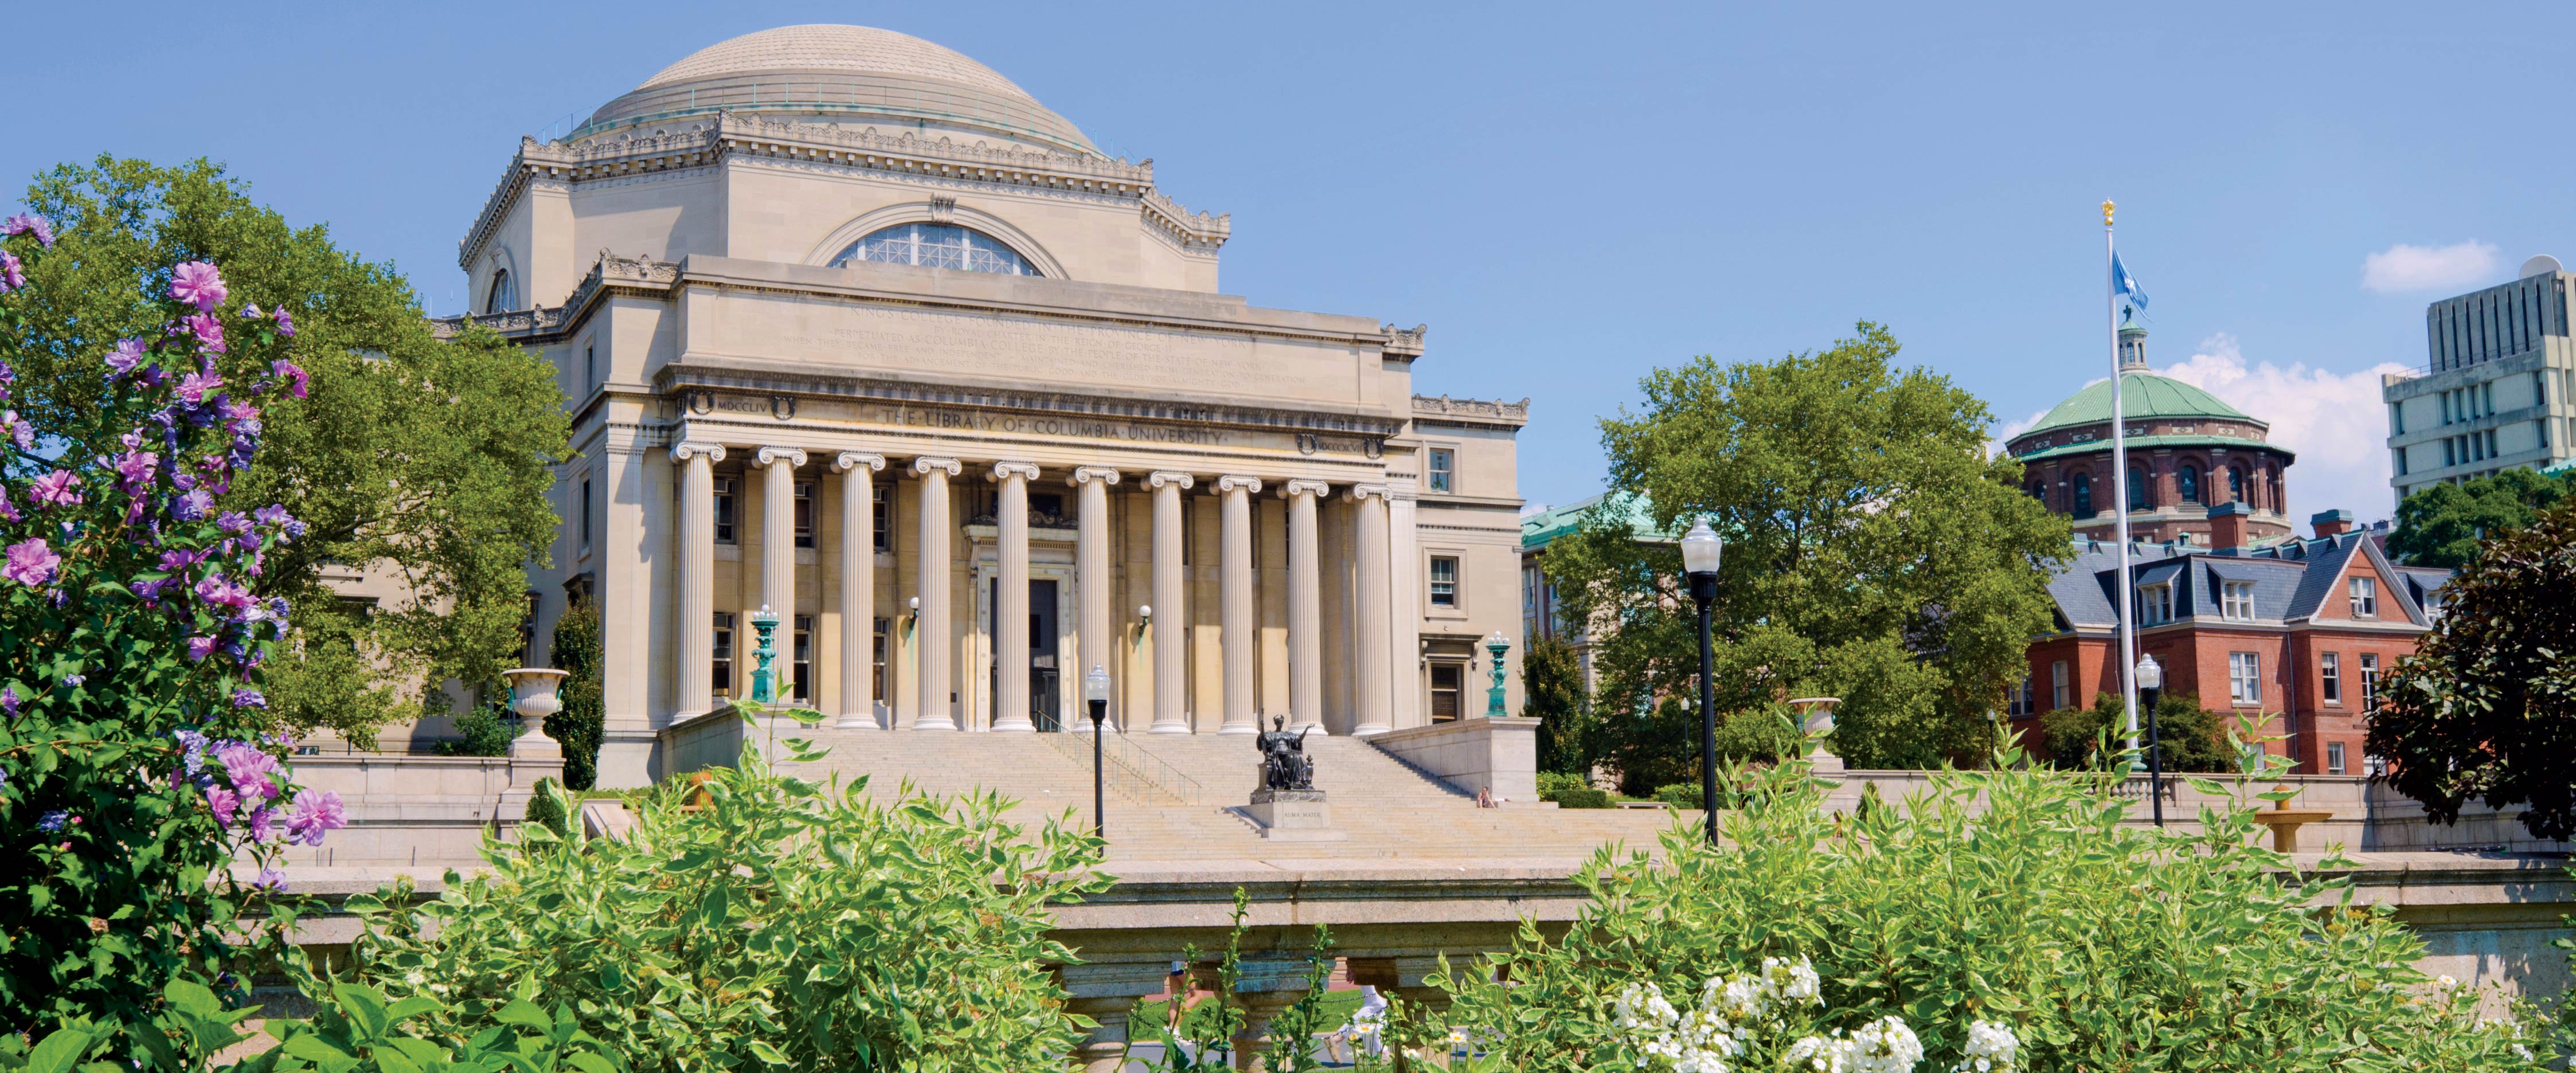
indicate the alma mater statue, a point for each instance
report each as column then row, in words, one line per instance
column 1284, row 764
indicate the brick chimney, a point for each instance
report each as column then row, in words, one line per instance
column 2331, row 523
column 2227, row 525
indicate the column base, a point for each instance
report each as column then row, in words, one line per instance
column 1160, row 727
column 943, row 723
column 1367, row 729
column 857, row 721
column 1017, row 726
column 1239, row 728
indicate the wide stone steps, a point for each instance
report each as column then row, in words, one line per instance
column 1389, row 809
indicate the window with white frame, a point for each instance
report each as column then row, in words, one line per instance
column 1444, row 581
column 2024, row 699
column 2365, row 597
column 2334, row 758
column 2330, row 677
column 724, row 510
column 1444, row 470
column 722, row 656
column 932, row 245
column 2061, row 688
column 2155, row 604
column 2369, row 679
column 2236, row 600
column 2245, row 677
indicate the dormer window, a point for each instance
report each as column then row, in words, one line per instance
column 503, row 295
column 937, row 246
column 2155, row 604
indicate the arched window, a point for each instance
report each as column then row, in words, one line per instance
column 937, row 246
column 2038, row 490
column 2189, row 483
column 2235, row 484
column 2083, row 495
column 2137, row 489
column 503, row 295
column 2280, row 496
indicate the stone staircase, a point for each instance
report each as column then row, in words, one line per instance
column 1390, row 810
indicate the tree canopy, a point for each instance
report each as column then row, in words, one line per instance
column 1874, row 551
column 2486, row 708
column 2441, row 525
column 431, row 459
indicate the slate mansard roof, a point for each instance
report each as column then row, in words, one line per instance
column 2292, row 581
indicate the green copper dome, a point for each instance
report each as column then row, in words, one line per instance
column 2142, row 395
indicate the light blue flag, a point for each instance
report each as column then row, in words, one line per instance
column 2125, row 285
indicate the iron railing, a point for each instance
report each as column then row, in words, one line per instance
column 1129, row 770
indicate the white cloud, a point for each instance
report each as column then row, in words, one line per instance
column 2403, row 268
column 2335, row 422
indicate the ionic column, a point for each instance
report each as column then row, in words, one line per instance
column 1375, row 699
column 1305, row 608
column 1091, row 571
column 778, row 547
column 1011, row 600
column 930, row 624
column 697, row 574
column 1234, row 601
column 1171, row 631
column 858, row 588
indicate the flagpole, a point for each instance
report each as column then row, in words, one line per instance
column 2120, row 491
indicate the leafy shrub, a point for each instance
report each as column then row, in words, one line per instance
column 1586, row 797
column 549, row 808
column 1553, row 783
column 789, row 922
column 355, row 1031
column 1678, row 795
column 2192, row 739
column 480, row 732
column 580, row 726
column 2013, row 898
column 135, row 779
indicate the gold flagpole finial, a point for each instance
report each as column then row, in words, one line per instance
column 2106, row 214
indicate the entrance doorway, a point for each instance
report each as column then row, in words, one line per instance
column 1045, row 678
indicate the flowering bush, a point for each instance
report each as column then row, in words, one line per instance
column 2002, row 920
column 133, row 776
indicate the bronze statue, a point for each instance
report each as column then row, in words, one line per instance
column 1284, row 764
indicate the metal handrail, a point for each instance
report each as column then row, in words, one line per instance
column 1136, row 774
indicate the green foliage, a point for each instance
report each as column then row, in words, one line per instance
column 480, row 732
column 2486, row 707
column 431, row 459
column 1586, row 797
column 550, row 809
column 1552, row 692
column 787, row 922
column 357, row 1030
column 578, row 648
column 1874, row 552
column 2442, row 523
column 2015, row 897
column 1678, row 795
column 2194, row 739
column 1570, row 790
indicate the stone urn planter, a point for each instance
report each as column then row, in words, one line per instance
column 535, row 693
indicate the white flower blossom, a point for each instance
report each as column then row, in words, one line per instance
column 1992, row 1048
column 1881, row 1046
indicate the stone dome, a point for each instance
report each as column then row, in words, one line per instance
column 846, row 74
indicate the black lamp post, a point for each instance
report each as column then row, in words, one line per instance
column 1700, row 552
column 2151, row 678
column 1095, row 690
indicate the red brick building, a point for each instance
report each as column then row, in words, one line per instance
column 2291, row 633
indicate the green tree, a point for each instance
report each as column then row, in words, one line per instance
column 2192, row 738
column 2441, row 524
column 1553, row 693
column 2486, row 708
column 577, row 648
column 426, row 457
column 1875, row 551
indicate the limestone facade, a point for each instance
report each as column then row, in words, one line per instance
column 920, row 467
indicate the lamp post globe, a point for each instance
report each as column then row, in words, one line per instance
column 2151, row 680
column 1701, row 552
column 1095, row 694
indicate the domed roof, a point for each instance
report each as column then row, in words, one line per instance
column 2142, row 395
column 842, row 72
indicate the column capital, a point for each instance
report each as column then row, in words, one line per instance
column 770, row 456
column 850, row 460
column 1361, row 492
column 1083, row 474
column 1299, row 486
column 1232, row 481
column 1160, row 478
column 688, row 449
column 924, row 464
column 1027, row 471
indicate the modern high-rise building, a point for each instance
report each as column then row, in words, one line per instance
column 2494, row 393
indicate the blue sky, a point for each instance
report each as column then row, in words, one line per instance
column 1569, row 195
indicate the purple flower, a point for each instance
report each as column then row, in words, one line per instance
column 248, row 768
column 249, row 698
column 74, row 680
column 198, row 284
column 27, row 223
column 277, row 608
column 218, row 592
column 208, row 330
column 285, row 321
column 263, row 826
column 250, row 311
column 128, row 353
column 31, row 563
column 199, row 648
column 315, row 811
column 195, row 744
column 9, row 700
column 53, row 821
column 12, row 276
column 6, row 510
column 222, row 802
column 21, row 431
column 192, row 506
column 233, row 522
column 270, row 879
column 297, row 379
column 135, row 469
column 194, row 386
column 273, row 514
column 55, row 489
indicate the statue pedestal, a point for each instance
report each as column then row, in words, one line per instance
column 1293, row 816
